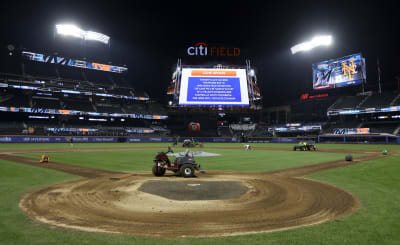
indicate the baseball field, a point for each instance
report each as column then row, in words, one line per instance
column 105, row 194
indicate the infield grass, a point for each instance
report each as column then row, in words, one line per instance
column 11, row 146
column 242, row 160
column 376, row 183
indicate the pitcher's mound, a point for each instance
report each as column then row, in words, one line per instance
column 194, row 190
column 219, row 204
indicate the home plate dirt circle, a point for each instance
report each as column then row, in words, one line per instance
column 176, row 207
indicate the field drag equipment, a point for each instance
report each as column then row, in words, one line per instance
column 184, row 165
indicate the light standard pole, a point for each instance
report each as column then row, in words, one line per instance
column 309, row 45
column 313, row 43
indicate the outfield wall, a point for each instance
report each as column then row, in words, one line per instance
column 353, row 139
column 359, row 139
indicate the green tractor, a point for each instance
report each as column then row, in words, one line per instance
column 304, row 146
column 191, row 143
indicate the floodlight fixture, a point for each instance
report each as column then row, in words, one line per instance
column 252, row 73
column 315, row 42
column 95, row 36
column 72, row 30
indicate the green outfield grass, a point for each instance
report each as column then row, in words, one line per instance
column 376, row 183
column 10, row 146
column 242, row 160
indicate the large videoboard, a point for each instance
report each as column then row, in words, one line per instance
column 213, row 87
column 345, row 71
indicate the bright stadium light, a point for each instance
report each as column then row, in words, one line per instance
column 91, row 35
column 252, row 73
column 315, row 42
column 72, row 30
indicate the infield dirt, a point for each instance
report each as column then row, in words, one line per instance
column 267, row 201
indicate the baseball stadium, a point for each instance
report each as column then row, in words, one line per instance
column 122, row 125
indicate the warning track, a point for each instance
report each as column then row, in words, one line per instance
column 104, row 202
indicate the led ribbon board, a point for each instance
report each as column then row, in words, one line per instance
column 363, row 111
column 345, row 71
column 78, row 113
column 351, row 131
column 66, row 91
column 214, row 87
column 72, row 62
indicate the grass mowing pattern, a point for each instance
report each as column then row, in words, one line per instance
column 376, row 183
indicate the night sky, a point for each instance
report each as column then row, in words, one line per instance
column 149, row 39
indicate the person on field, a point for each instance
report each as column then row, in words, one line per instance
column 71, row 141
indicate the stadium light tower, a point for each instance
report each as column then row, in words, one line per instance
column 315, row 42
column 72, row 30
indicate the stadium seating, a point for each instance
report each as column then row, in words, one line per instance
column 98, row 77
column 15, row 100
column 108, row 105
column 224, row 131
column 374, row 100
column 118, row 81
column 156, row 108
column 109, row 108
column 135, row 108
column 121, row 91
column 48, row 103
column 82, row 104
column 71, row 73
column 259, row 131
column 36, row 69
column 396, row 100
column 310, row 110
column 381, row 127
column 160, row 129
column 329, row 128
column 33, row 85
column 348, row 102
column 379, row 100
column 54, row 128
column 11, row 127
